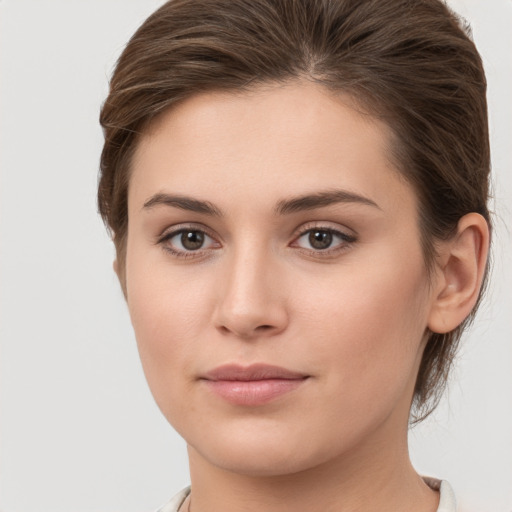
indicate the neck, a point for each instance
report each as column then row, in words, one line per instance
column 376, row 475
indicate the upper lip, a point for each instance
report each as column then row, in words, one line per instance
column 253, row 372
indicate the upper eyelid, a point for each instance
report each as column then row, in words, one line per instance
column 345, row 237
column 178, row 228
column 325, row 226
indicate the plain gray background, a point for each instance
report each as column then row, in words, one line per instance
column 79, row 429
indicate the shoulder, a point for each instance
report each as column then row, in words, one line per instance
column 447, row 501
column 176, row 501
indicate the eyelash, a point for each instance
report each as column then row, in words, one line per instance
column 346, row 241
column 167, row 236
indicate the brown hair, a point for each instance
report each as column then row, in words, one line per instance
column 410, row 62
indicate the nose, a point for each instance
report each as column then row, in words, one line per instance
column 252, row 302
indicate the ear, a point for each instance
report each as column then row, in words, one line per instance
column 115, row 266
column 461, row 267
column 121, row 276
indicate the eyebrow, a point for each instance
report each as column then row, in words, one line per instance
column 184, row 203
column 283, row 207
column 320, row 199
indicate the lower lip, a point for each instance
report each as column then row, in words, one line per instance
column 253, row 392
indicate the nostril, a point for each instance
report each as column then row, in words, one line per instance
column 263, row 327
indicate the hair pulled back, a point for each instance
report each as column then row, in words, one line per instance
column 409, row 62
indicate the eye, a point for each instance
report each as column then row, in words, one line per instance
column 323, row 239
column 190, row 240
column 185, row 241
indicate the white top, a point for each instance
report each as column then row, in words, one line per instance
column 447, row 501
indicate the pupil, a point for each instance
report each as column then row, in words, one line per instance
column 192, row 240
column 320, row 239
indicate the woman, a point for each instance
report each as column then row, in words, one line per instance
column 297, row 192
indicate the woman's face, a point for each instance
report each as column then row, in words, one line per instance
column 275, row 278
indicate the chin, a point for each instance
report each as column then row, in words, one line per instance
column 260, row 452
column 259, row 461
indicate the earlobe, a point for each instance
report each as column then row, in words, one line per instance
column 462, row 264
column 115, row 266
column 119, row 270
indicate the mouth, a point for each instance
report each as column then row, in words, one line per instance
column 252, row 385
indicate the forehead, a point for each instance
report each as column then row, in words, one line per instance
column 274, row 139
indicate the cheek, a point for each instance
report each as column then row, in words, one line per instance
column 368, row 325
column 168, row 313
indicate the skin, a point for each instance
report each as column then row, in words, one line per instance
column 352, row 317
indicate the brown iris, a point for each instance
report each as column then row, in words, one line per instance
column 192, row 240
column 320, row 239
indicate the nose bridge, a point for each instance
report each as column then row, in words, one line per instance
column 251, row 302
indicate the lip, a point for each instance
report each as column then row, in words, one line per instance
column 252, row 385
